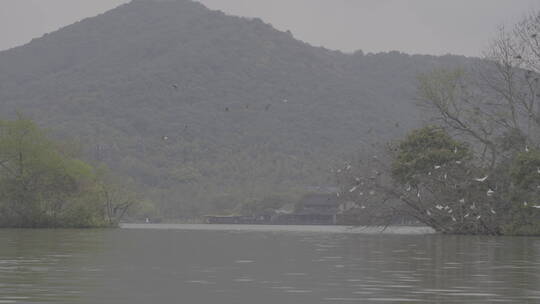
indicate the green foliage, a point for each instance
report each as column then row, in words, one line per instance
column 453, row 194
column 42, row 187
column 422, row 150
column 525, row 170
column 523, row 219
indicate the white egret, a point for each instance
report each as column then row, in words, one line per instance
column 481, row 179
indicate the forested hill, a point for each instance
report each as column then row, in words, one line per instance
column 204, row 110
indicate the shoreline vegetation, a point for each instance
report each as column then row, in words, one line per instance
column 474, row 168
column 44, row 185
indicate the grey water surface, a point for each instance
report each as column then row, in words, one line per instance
column 265, row 264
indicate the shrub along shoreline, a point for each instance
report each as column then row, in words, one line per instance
column 43, row 184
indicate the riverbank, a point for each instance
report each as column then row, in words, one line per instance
column 406, row 230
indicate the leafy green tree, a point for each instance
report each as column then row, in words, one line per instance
column 524, row 213
column 425, row 149
column 42, row 186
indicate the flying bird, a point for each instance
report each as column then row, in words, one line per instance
column 481, row 179
column 352, row 189
column 490, row 192
column 175, row 86
column 165, row 138
column 534, row 35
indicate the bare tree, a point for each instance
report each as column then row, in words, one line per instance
column 495, row 104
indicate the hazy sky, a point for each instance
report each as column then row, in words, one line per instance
column 412, row 26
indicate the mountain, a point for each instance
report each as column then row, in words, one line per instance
column 204, row 111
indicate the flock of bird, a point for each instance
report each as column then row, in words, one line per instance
column 489, row 193
column 176, row 87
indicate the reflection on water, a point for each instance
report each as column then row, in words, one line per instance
column 264, row 264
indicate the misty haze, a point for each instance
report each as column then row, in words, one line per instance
column 177, row 151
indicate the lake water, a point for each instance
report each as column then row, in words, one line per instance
column 265, row 264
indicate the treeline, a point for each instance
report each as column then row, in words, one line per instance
column 44, row 185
